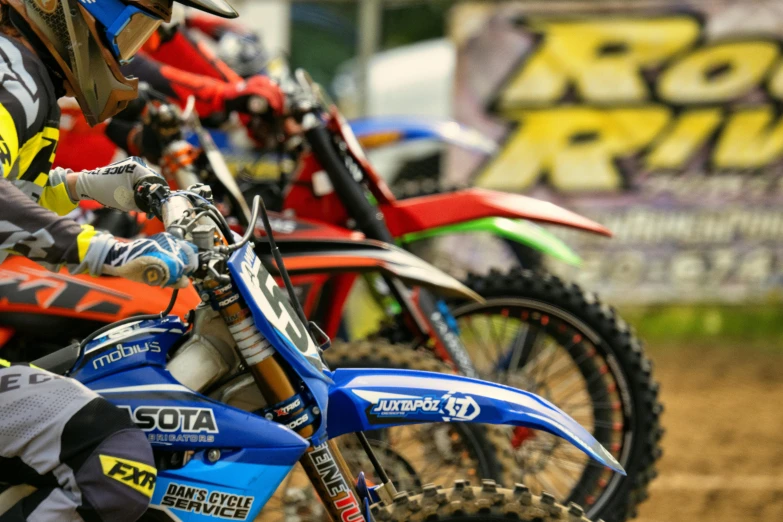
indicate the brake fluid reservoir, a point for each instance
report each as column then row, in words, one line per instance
column 197, row 364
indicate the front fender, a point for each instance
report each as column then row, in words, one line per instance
column 517, row 230
column 380, row 131
column 370, row 399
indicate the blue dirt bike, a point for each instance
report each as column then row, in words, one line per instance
column 269, row 401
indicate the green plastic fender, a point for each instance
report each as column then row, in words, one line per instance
column 518, row 230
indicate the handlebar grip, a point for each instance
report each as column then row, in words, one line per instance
column 146, row 193
column 140, row 196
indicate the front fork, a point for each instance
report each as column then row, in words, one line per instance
column 428, row 316
column 445, row 332
column 324, row 464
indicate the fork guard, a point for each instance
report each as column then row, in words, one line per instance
column 370, row 399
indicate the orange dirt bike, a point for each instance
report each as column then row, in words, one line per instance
column 534, row 332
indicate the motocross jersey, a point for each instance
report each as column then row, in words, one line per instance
column 33, row 198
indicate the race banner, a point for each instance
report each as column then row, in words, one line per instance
column 660, row 120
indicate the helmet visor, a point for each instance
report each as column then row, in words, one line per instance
column 127, row 27
column 132, row 36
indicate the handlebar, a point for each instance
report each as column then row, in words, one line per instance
column 174, row 209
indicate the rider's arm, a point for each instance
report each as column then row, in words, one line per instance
column 213, row 97
column 38, row 233
column 170, row 45
column 178, row 84
column 32, row 229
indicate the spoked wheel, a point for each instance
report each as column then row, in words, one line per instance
column 538, row 334
column 412, row 456
column 416, row 455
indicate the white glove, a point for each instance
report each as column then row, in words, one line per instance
column 112, row 186
column 159, row 260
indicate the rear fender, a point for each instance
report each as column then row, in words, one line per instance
column 378, row 132
column 30, row 289
column 336, row 256
column 370, row 399
column 425, row 212
column 519, row 231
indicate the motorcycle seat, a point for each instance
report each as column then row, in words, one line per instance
column 60, row 361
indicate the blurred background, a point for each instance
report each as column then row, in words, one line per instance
column 660, row 120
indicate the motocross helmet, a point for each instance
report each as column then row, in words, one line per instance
column 243, row 53
column 86, row 41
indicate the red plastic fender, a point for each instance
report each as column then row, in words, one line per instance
column 427, row 212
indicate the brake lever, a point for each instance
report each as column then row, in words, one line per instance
column 149, row 195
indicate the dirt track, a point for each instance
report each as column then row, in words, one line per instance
column 723, row 448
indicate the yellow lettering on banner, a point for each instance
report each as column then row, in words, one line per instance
column 688, row 133
column 603, row 59
column 775, row 82
column 751, row 139
column 576, row 146
column 717, row 73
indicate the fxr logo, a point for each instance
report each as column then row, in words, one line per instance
column 135, row 475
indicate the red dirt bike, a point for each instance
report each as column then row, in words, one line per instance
column 534, row 332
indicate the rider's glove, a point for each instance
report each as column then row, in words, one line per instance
column 159, row 260
column 244, row 97
column 112, row 186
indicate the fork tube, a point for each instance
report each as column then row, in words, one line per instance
column 324, row 464
column 260, row 358
column 333, row 481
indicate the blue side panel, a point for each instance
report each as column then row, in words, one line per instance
column 278, row 322
column 367, row 399
column 234, row 488
column 134, row 345
column 177, row 418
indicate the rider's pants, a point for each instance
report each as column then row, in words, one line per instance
column 87, row 460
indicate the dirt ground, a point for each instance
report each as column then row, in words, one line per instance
column 723, row 448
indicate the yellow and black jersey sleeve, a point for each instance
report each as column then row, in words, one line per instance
column 32, row 202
